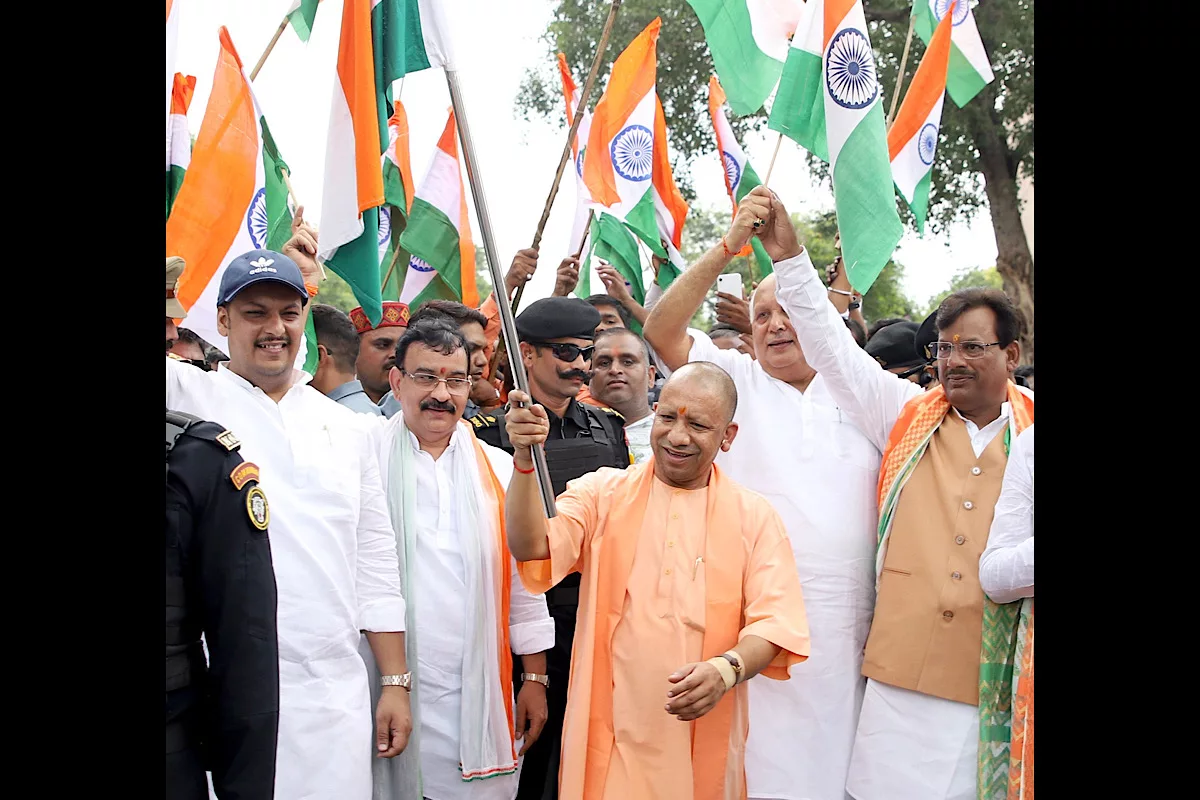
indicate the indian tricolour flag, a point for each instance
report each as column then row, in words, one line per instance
column 353, row 190
column 179, row 141
column 619, row 163
column 407, row 36
column 832, row 86
column 670, row 209
column 172, row 49
column 740, row 177
column 913, row 137
column 233, row 199
column 397, row 201
column 301, row 14
column 748, row 40
column 438, row 235
column 583, row 198
column 970, row 69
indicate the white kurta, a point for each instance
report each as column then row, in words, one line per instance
column 336, row 569
column 1006, row 566
column 908, row 746
column 801, row 453
column 638, row 434
column 440, row 617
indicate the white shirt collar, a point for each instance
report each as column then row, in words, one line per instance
column 416, row 444
column 299, row 377
column 1005, row 413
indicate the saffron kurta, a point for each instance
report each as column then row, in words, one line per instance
column 691, row 573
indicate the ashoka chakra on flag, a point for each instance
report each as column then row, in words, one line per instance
column 419, row 265
column 385, row 226
column 960, row 11
column 633, row 153
column 256, row 220
column 850, row 70
column 927, row 143
column 733, row 170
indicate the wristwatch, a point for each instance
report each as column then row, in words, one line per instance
column 403, row 681
column 736, row 661
column 544, row 680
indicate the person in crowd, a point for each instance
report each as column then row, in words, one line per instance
column 727, row 337
column 332, row 543
column 337, row 354
column 377, row 352
column 622, row 378
column 797, row 449
column 175, row 309
column 473, row 326
column 689, row 591
column 895, row 348
column 932, row 708
column 466, row 609
column 190, row 348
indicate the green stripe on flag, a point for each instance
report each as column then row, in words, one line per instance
column 747, row 74
column 642, row 221
column 302, row 17
column 431, row 237
column 310, row 344
column 865, row 201
column 357, row 263
column 399, row 48
column 799, row 108
column 920, row 203
column 174, row 181
column 962, row 81
column 279, row 218
column 747, row 183
column 616, row 245
column 765, row 267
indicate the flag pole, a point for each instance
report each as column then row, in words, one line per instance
column 508, row 327
column 771, row 166
column 271, row 46
column 287, row 181
column 586, row 229
column 900, row 75
column 566, row 153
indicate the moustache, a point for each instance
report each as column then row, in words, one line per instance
column 272, row 340
column 437, row 405
column 960, row 371
column 576, row 373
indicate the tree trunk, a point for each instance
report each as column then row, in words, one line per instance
column 1014, row 262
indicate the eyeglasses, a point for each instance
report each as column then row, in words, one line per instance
column 455, row 386
column 942, row 350
column 567, row 352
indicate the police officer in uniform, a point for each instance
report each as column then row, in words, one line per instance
column 223, row 715
column 556, row 336
column 895, row 348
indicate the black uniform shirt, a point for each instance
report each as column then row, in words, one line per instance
column 573, row 424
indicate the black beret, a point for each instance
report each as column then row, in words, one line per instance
column 926, row 335
column 557, row 318
column 894, row 346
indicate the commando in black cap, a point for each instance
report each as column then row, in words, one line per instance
column 895, row 346
column 557, row 318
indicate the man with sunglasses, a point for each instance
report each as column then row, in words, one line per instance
column 895, row 348
column 934, row 712
column 557, row 335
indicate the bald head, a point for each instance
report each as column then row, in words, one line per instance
column 703, row 378
column 766, row 287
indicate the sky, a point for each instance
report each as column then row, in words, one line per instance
column 494, row 43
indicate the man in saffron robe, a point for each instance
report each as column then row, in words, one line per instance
column 689, row 588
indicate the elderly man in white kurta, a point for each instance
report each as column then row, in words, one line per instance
column 331, row 541
column 819, row 472
column 467, row 609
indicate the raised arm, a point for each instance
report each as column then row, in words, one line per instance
column 870, row 396
column 666, row 328
column 1006, row 566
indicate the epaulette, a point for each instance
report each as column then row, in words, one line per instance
column 612, row 411
column 481, row 421
column 177, row 358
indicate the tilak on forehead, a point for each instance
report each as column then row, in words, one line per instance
column 956, row 337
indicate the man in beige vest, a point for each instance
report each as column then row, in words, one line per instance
column 934, row 633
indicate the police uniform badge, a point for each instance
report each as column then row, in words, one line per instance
column 257, row 509
column 243, row 473
column 227, row 440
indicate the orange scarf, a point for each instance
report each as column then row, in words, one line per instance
column 724, row 562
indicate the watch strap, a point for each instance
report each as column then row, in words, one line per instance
column 544, row 680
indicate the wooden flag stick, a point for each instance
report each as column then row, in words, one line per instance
column 271, row 46
column 392, row 266
column 586, row 229
column 900, row 75
column 771, row 166
column 566, row 153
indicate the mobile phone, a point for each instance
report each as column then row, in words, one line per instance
column 730, row 283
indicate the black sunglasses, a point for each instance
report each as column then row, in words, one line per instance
column 567, row 352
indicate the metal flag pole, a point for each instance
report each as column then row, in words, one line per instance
column 508, row 327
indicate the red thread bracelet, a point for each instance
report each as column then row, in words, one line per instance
column 725, row 247
column 522, row 471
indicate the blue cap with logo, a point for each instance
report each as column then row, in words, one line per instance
column 258, row 266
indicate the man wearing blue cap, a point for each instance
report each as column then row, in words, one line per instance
column 334, row 551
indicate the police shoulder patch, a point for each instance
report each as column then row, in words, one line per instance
column 484, row 421
column 612, row 411
column 257, row 509
column 244, row 473
column 227, row 440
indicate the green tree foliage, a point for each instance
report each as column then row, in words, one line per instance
column 337, row 293
column 483, row 276
column 967, row 278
